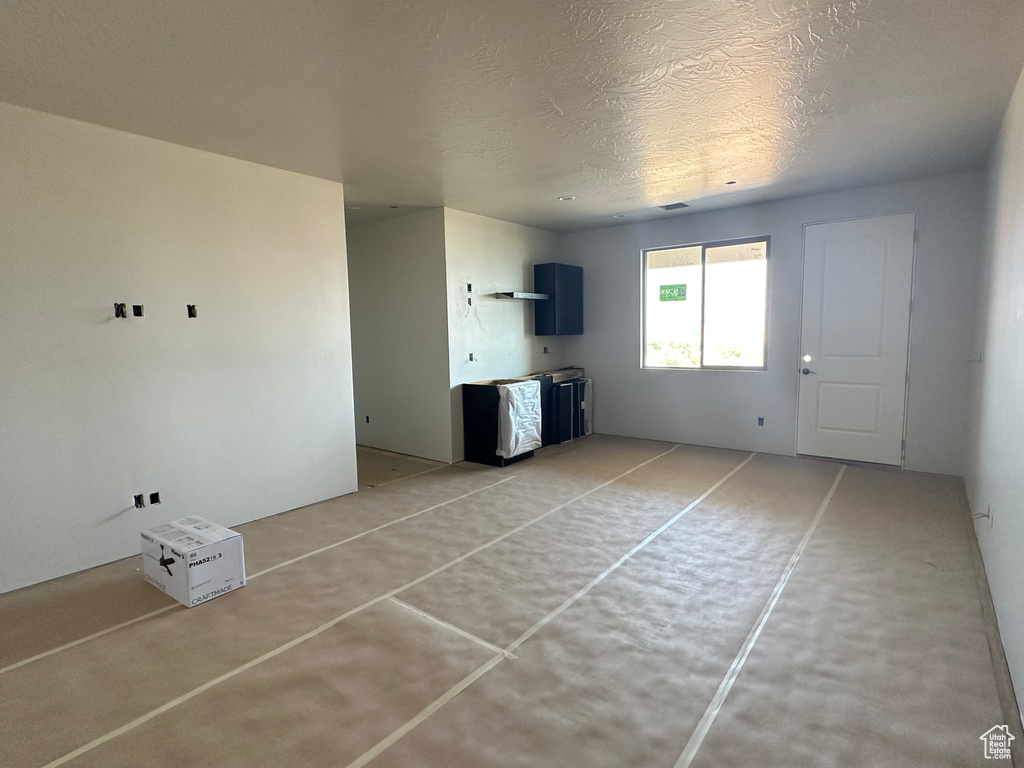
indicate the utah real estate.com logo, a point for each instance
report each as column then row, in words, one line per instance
column 997, row 742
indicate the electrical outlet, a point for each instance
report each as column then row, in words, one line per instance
column 545, row 350
column 191, row 309
column 137, row 310
column 469, row 287
column 760, row 421
column 367, row 419
column 471, row 357
column 121, row 311
column 469, row 301
column 140, row 501
column 154, row 498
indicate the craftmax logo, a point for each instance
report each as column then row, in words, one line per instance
column 997, row 742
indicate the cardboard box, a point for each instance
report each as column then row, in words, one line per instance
column 193, row 560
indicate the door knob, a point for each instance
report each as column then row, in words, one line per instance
column 806, row 371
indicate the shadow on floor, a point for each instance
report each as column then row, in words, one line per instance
column 377, row 467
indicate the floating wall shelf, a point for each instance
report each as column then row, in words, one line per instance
column 521, row 295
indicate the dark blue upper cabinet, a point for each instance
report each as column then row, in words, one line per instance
column 562, row 313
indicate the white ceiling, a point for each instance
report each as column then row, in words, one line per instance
column 500, row 106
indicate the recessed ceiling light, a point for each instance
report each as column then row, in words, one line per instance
column 730, row 182
column 566, row 198
column 619, row 216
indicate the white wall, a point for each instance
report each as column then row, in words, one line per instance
column 243, row 412
column 400, row 334
column 493, row 256
column 995, row 478
column 721, row 408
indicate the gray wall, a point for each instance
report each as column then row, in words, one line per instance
column 400, row 335
column 720, row 408
column 995, row 477
column 413, row 328
column 493, row 256
column 243, row 412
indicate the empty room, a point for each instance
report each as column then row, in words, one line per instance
column 596, row 384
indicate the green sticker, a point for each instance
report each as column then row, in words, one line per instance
column 673, row 292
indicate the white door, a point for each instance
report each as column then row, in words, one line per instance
column 854, row 338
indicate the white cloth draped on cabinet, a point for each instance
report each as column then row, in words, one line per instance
column 519, row 418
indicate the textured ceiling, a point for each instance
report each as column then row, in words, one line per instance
column 500, row 106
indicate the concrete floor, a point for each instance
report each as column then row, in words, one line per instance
column 610, row 602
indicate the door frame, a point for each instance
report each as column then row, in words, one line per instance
column 910, row 333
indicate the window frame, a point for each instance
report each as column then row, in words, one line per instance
column 766, row 239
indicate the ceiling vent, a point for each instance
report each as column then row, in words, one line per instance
column 674, row 206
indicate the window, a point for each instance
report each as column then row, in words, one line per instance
column 704, row 306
